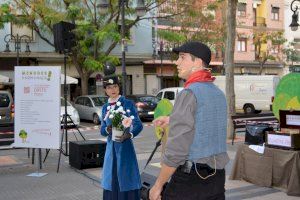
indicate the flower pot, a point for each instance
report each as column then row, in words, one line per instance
column 115, row 133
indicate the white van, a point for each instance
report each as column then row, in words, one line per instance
column 169, row 93
column 253, row 93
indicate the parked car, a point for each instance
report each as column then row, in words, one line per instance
column 145, row 104
column 6, row 108
column 169, row 93
column 90, row 106
column 70, row 111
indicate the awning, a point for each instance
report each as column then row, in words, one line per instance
column 70, row 80
column 4, row 79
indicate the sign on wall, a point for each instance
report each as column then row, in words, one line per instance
column 37, row 107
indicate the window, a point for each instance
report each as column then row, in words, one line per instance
column 275, row 13
column 241, row 9
column 169, row 95
column 62, row 102
column 4, row 100
column 98, row 101
column 87, row 102
column 159, row 95
column 242, row 45
column 79, row 101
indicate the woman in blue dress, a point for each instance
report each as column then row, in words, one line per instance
column 121, row 177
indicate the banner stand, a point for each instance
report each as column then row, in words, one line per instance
column 38, row 174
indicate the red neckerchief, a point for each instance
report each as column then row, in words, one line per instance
column 199, row 76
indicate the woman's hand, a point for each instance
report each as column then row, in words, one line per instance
column 162, row 121
column 123, row 137
column 109, row 129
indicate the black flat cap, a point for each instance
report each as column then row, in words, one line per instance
column 197, row 49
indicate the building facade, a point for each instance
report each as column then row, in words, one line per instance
column 254, row 17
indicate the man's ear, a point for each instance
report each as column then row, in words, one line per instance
column 199, row 62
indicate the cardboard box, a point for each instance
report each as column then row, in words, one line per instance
column 289, row 135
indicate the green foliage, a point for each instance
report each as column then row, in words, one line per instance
column 5, row 14
column 171, row 36
column 117, row 121
column 291, row 53
column 265, row 42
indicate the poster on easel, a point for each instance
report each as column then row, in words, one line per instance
column 37, row 107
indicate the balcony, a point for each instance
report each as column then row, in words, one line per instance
column 260, row 22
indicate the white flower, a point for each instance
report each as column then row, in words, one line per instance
column 124, row 112
column 111, row 116
column 110, row 81
column 108, row 107
column 128, row 110
column 118, row 103
column 121, row 109
column 132, row 117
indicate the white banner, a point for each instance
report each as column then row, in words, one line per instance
column 37, row 107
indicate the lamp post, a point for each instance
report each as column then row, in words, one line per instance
column 295, row 17
column 17, row 40
column 140, row 11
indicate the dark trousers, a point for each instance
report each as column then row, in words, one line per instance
column 189, row 186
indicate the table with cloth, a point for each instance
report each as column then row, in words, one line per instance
column 274, row 168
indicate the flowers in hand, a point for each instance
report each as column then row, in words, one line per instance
column 119, row 118
column 127, row 122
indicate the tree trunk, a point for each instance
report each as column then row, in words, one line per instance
column 84, row 83
column 229, row 63
column 84, row 74
column 261, row 68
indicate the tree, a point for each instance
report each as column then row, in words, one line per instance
column 194, row 20
column 268, row 46
column 292, row 54
column 229, row 63
column 5, row 15
column 96, row 34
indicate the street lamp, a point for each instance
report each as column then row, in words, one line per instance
column 294, row 25
column 17, row 40
column 140, row 11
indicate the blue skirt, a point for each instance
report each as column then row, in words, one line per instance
column 116, row 194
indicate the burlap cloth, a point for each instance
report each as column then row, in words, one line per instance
column 275, row 168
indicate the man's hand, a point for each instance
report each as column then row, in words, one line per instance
column 155, row 192
column 162, row 121
column 124, row 137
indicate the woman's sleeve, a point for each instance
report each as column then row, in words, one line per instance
column 137, row 125
column 103, row 122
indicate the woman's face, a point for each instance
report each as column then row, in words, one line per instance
column 112, row 91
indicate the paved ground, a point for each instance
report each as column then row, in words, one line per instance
column 75, row 184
